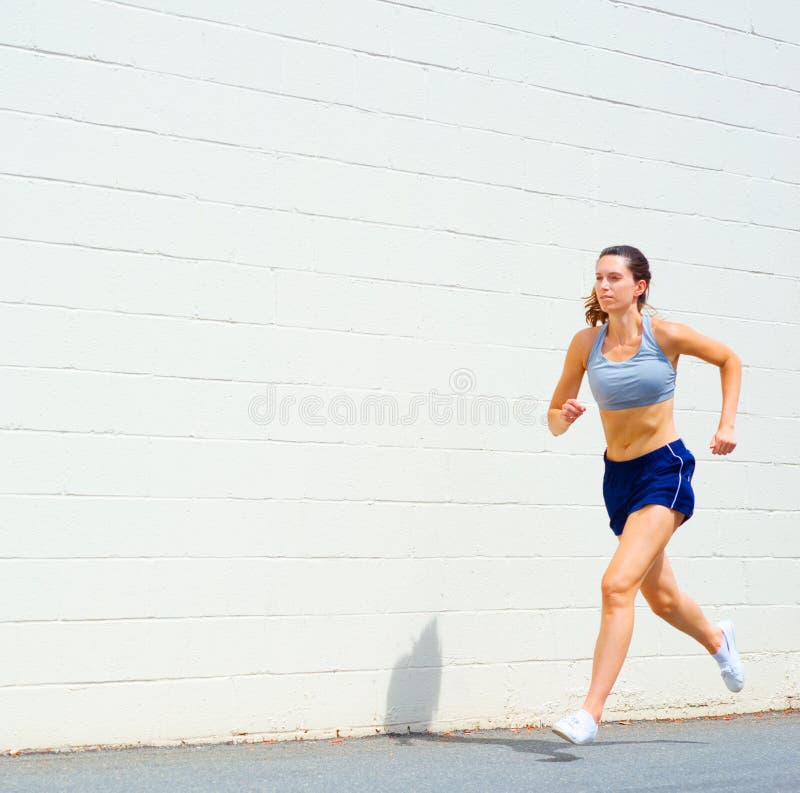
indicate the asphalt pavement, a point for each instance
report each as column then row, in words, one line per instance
column 739, row 754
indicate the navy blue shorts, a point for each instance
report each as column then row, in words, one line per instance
column 662, row 476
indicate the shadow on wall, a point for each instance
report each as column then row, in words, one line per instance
column 413, row 694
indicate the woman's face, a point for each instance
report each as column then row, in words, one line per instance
column 614, row 284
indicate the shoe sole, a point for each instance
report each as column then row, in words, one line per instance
column 570, row 738
column 563, row 735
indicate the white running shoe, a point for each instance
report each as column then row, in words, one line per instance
column 731, row 668
column 579, row 727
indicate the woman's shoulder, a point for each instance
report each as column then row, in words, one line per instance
column 669, row 334
column 583, row 341
column 586, row 336
column 667, row 329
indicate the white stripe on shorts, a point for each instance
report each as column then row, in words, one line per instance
column 679, row 476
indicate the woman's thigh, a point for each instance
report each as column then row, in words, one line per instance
column 645, row 535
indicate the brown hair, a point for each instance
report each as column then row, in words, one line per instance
column 640, row 269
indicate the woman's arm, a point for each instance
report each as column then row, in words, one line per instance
column 685, row 340
column 564, row 407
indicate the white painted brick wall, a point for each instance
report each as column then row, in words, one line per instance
column 349, row 202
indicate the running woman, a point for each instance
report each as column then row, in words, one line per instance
column 631, row 361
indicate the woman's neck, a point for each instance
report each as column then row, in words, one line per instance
column 625, row 328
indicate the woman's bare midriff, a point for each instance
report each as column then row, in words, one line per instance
column 632, row 432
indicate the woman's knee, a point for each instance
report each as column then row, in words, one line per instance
column 617, row 589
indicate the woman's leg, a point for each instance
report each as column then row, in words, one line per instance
column 660, row 590
column 645, row 535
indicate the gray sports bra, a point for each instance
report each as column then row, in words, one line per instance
column 646, row 378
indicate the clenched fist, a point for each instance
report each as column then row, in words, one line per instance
column 572, row 409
